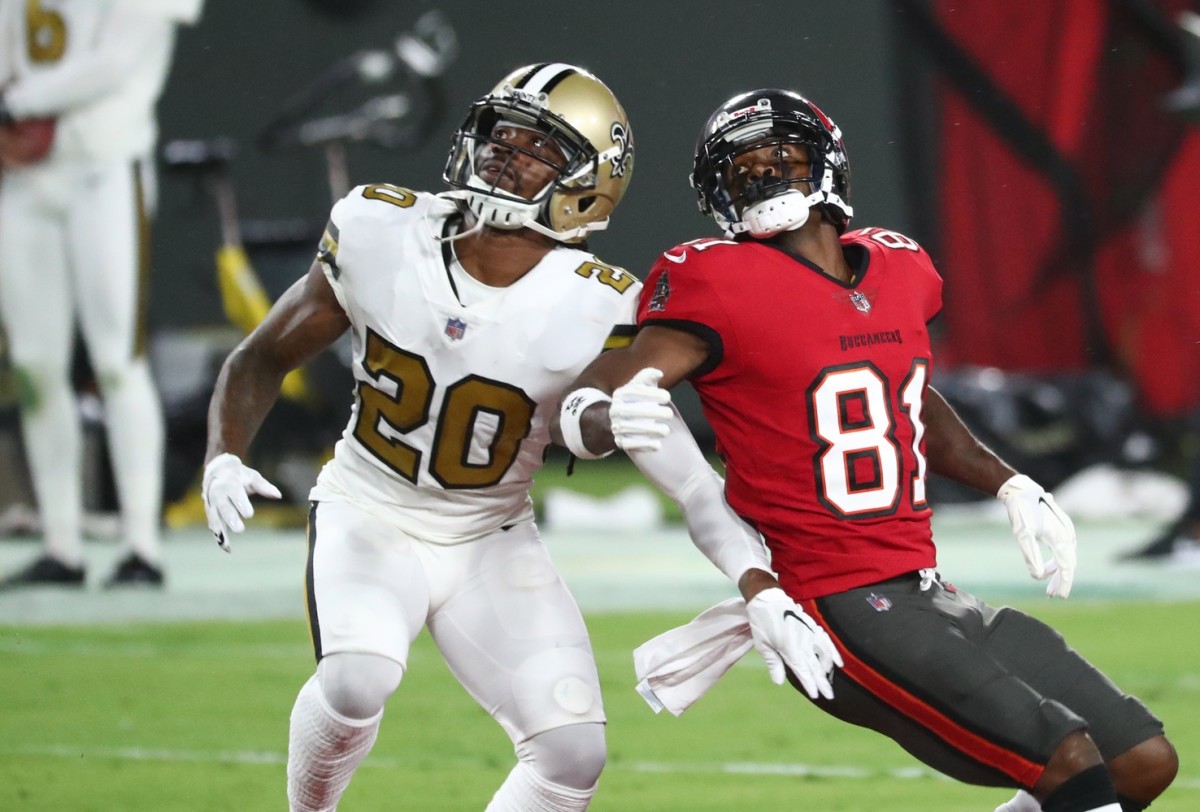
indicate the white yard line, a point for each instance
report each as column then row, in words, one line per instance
column 253, row 757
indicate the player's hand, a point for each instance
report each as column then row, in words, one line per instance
column 639, row 412
column 227, row 487
column 785, row 635
column 1037, row 520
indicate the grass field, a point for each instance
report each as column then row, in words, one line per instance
column 193, row 716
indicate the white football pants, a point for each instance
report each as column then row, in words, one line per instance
column 74, row 240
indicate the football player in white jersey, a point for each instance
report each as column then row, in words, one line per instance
column 469, row 311
column 82, row 77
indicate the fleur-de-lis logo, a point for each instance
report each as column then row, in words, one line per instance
column 622, row 138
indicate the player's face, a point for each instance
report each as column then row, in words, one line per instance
column 520, row 160
column 779, row 160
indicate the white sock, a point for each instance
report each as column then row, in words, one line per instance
column 135, row 441
column 1024, row 802
column 53, row 445
column 1021, row 802
column 324, row 749
column 526, row 791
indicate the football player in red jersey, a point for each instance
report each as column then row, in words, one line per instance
column 809, row 348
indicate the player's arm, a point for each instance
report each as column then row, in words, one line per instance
column 640, row 420
column 307, row 319
column 954, row 452
column 86, row 75
column 675, row 353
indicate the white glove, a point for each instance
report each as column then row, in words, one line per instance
column 784, row 634
column 227, row 487
column 640, row 411
column 1037, row 520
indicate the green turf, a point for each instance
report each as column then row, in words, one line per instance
column 194, row 717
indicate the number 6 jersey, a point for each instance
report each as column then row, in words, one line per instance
column 814, row 390
column 455, row 383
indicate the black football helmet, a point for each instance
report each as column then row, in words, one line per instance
column 767, row 206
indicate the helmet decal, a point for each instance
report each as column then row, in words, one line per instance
column 621, row 137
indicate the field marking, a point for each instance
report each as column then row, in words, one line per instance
column 272, row 757
column 264, row 651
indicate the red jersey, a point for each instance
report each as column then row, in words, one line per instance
column 814, row 389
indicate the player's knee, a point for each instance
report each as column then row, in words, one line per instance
column 357, row 685
column 571, row 756
column 114, row 369
column 1075, row 754
column 1146, row 770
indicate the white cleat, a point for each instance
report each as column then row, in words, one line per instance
column 1021, row 802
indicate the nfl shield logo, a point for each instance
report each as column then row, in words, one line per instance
column 860, row 301
column 455, row 329
column 879, row 603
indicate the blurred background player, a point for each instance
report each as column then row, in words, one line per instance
column 81, row 79
column 469, row 311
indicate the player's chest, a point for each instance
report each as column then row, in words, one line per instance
column 802, row 324
column 523, row 339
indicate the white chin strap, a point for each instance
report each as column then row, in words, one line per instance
column 510, row 213
column 494, row 209
column 786, row 212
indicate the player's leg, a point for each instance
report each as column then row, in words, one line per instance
column 109, row 243
column 367, row 601
column 1140, row 759
column 514, row 637
column 917, row 669
column 37, row 307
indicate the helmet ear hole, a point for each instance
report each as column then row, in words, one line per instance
column 585, row 203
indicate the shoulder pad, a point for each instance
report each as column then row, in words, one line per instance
column 881, row 236
column 380, row 201
column 695, row 248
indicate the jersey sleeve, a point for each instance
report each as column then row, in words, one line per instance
column 91, row 73
column 931, row 287
column 679, row 293
column 625, row 327
column 335, row 251
column 356, row 236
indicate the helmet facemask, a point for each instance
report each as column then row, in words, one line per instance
column 491, row 203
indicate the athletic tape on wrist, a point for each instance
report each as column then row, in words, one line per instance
column 573, row 407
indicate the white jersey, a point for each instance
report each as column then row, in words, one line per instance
column 98, row 66
column 453, row 402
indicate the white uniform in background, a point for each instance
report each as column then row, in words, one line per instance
column 423, row 516
column 74, row 245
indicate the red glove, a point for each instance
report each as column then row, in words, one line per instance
column 26, row 142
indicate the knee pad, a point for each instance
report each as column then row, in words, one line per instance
column 357, row 685
column 570, row 756
column 554, row 688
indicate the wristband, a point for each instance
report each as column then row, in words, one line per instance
column 573, row 407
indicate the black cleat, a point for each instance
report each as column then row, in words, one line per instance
column 1178, row 541
column 133, row 570
column 44, row 571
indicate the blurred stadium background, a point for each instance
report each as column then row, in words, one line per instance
column 1045, row 153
